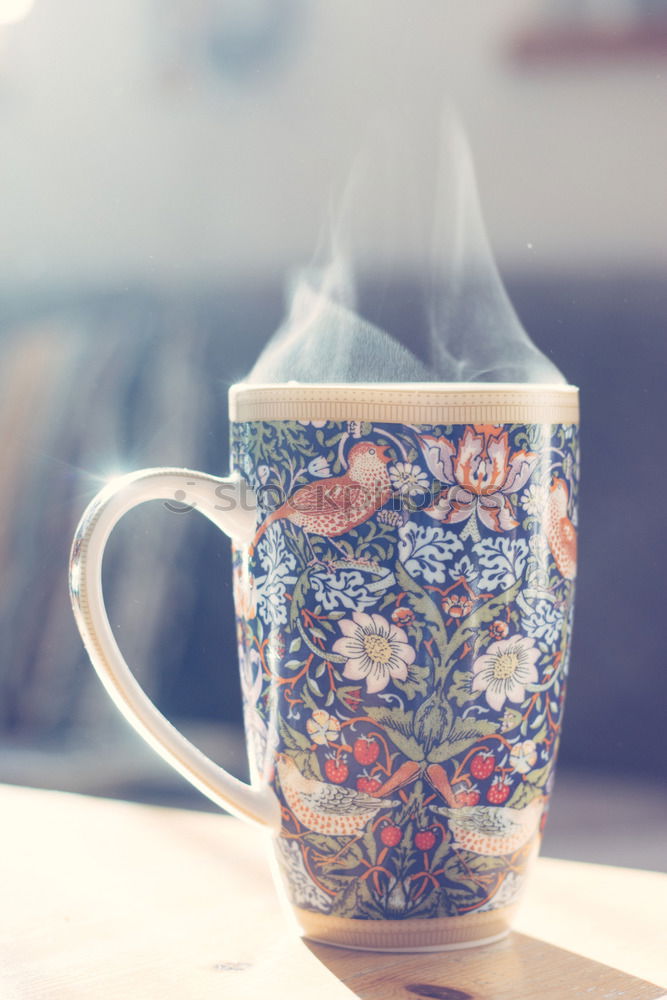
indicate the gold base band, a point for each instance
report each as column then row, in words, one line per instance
column 411, row 935
column 430, row 403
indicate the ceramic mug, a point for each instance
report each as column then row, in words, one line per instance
column 404, row 562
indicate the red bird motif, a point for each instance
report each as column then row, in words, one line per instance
column 330, row 507
column 561, row 533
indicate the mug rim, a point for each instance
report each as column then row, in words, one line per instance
column 407, row 402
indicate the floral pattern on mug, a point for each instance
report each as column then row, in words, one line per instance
column 404, row 615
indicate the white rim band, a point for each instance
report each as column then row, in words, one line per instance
column 408, row 403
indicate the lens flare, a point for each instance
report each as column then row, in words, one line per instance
column 12, row 11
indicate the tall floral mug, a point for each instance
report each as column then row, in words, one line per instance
column 404, row 562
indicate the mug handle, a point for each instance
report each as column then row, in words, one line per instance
column 221, row 501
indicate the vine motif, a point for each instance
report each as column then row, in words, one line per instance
column 403, row 627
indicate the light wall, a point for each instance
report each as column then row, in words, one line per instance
column 113, row 169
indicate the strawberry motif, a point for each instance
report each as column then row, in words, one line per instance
column 499, row 791
column 366, row 750
column 391, row 835
column 336, row 770
column 482, row 765
column 424, row 840
column 368, row 785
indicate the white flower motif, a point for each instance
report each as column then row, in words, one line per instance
column 505, row 669
column 319, row 467
column 322, row 727
column 425, row 549
column 313, row 423
column 377, row 652
column 534, row 500
column 523, row 756
column 408, row 479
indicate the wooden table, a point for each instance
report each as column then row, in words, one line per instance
column 103, row 899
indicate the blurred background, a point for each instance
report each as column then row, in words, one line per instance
column 165, row 167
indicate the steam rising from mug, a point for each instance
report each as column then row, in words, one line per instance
column 460, row 325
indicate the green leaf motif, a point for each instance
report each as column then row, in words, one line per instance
column 299, row 595
column 293, row 739
column 399, row 727
column 463, row 734
column 308, row 700
column 416, row 682
column 324, row 842
column 297, row 746
column 323, row 653
column 460, row 690
column 511, row 719
column 475, row 864
column 347, row 862
column 424, row 607
column 539, row 736
column 313, row 685
column 539, row 777
column 354, row 898
column 532, row 786
column 433, row 722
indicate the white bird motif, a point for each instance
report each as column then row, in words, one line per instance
column 493, row 830
column 327, row 808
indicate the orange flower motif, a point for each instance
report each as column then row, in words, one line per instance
column 402, row 616
column 499, row 629
column 481, row 474
column 457, row 605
